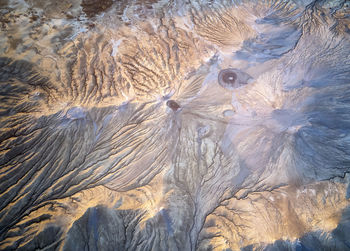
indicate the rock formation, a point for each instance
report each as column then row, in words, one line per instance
column 174, row 125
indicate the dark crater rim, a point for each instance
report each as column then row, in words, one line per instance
column 172, row 104
column 228, row 77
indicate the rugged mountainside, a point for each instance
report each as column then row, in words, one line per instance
column 174, row 125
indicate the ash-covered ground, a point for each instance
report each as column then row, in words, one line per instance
column 174, row 125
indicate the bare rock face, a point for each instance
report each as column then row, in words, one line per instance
column 93, row 7
column 174, row 125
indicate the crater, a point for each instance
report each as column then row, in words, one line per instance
column 231, row 78
column 173, row 105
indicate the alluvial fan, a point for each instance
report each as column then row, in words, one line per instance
column 174, row 125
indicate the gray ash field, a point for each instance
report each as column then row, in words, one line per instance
column 174, row 125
